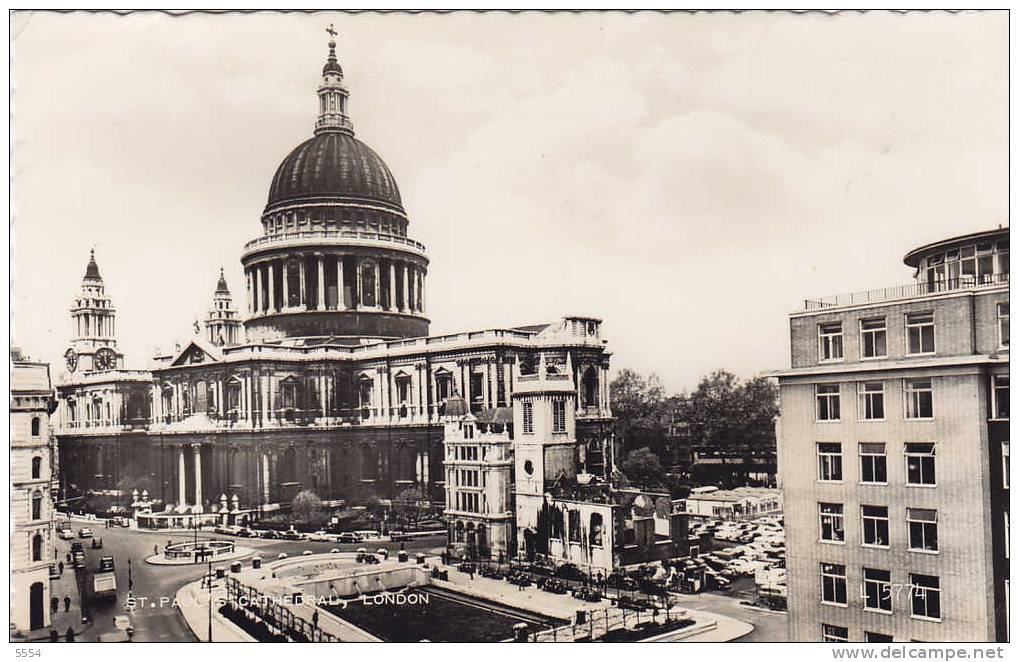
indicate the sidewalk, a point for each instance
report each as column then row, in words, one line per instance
column 192, row 601
column 66, row 584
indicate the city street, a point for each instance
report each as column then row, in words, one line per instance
column 154, row 587
column 768, row 626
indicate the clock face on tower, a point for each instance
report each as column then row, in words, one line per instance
column 105, row 359
column 72, row 360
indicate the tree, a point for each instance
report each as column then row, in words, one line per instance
column 643, row 467
column 407, row 505
column 736, row 419
column 306, row 505
column 638, row 406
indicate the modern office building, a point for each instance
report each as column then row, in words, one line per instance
column 893, row 453
column 31, row 504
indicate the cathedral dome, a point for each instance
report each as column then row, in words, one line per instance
column 333, row 165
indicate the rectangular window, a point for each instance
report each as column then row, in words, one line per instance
column 559, row 416
column 528, row 415
column 873, row 463
column 1003, row 325
column 834, row 633
column 875, row 525
column 828, row 402
column 877, row 589
column 926, row 596
column 999, row 396
column 920, row 464
column 832, row 522
column 873, row 338
column 920, row 333
column 919, row 395
column 923, row 529
column 829, row 341
column 833, row 584
column 871, row 400
column 877, row 638
column 829, row 462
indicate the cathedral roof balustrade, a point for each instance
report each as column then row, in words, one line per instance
column 325, row 238
column 450, row 342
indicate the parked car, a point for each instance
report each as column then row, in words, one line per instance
column 84, row 532
column 289, row 534
column 245, row 532
column 348, row 536
column 320, row 536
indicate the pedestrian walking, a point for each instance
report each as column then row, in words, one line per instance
column 67, row 603
column 155, row 549
column 314, row 619
column 61, row 566
column 69, row 636
column 54, row 604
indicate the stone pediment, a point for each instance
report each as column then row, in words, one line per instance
column 197, row 352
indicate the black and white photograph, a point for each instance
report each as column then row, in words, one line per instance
column 475, row 327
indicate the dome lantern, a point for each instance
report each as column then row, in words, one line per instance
column 332, row 95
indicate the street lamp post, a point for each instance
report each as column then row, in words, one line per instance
column 210, row 598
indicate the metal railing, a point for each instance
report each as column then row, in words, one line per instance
column 901, row 292
column 333, row 234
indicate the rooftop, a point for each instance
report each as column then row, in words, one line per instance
column 904, row 292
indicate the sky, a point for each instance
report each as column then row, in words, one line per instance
column 688, row 178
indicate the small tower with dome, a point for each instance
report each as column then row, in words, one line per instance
column 222, row 324
column 94, row 343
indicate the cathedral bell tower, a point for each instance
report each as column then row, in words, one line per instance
column 222, row 325
column 545, row 434
column 94, row 344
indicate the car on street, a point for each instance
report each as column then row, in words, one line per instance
column 66, row 534
column 84, row 532
column 320, row 536
column 348, row 536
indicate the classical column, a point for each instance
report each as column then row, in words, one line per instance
column 322, row 391
column 198, row 476
column 321, row 282
column 422, row 279
column 257, row 299
column 392, row 285
column 265, row 477
column 304, row 290
column 378, row 282
column 405, row 298
column 286, row 285
column 410, row 287
column 340, row 303
column 181, row 484
column 272, row 287
column 247, row 278
column 357, row 282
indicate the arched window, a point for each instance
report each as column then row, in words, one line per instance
column 37, row 467
column 36, row 426
column 37, row 547
column 37, row 506
column 595, row 531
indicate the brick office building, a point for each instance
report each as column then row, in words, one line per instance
column 893, row 454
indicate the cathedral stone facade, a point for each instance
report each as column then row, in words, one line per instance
column 329, row 381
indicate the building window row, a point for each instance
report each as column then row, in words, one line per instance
column 920, row 462
column 878, row 594
column 873, row 333
column 917, row 396
column 921, row 526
